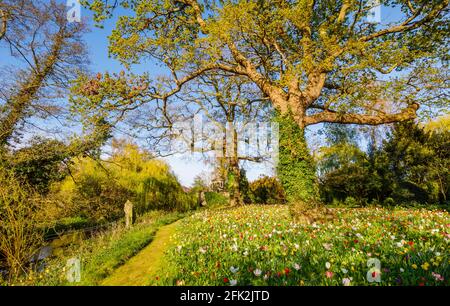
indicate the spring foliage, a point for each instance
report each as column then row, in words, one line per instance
column 411, row 165
column 99, row 189
column 20, row 237
column 267, row 190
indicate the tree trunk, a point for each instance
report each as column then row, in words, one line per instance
column 296, row 168
column 19, row 103
column 235, row 189
column 234, row 173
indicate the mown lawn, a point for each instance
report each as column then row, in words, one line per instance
column 261, row 245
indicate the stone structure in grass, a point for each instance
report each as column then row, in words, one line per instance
column 128, row 209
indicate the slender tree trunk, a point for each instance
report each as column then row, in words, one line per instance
column 234, row 172
column 3, row 23
column 19, row 103
column 235, row 192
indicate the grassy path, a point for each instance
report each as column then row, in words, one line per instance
column 142, row 268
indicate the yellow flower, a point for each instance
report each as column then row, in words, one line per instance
column 425, row 266
column 414, row 266
column 302, row 283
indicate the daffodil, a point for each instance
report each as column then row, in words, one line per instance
column 425, row 266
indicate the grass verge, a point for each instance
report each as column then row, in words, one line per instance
column 101, row 254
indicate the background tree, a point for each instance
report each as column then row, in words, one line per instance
column 98, row 188
column 229, row 108
column 416, row 163
column 410, row 165
column 51, row 50
column 48, row 52
column 343, row 167
column 201, row 181
column 232, row 109
column 20, row 234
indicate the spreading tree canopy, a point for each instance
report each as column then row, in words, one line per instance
column 321, row 60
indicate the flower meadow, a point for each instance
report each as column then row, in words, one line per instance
column 262, row 245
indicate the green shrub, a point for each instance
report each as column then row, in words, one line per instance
column 351, row 202
column 388, row 202
column 267, row 190
column 20, row 236
column 55, row 227
column 39, row 164
column 411, row 164
column 214, row 199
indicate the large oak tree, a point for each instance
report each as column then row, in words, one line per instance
column 322, row 60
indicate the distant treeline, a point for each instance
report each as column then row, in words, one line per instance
column 412, row 165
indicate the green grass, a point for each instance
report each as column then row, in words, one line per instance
column 143, row 268
column 104, row 253
column 261, row 245
column 67, row 224
column 101, row 263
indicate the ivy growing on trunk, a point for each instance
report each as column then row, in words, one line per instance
column 296, row 168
